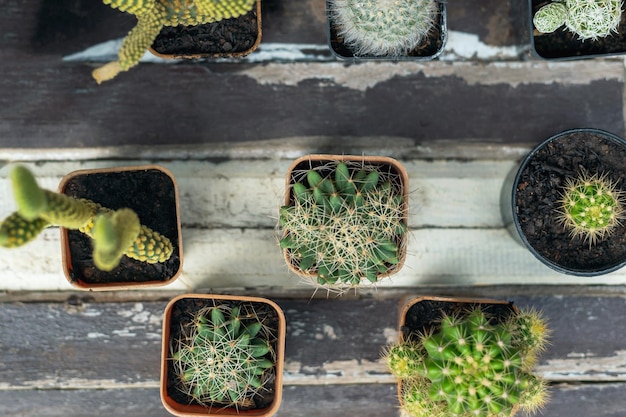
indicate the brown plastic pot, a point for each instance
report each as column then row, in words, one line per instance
column 161, row 214
column 191, row 410
column 307, row 161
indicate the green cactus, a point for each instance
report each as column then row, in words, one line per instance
column 589, row 19
column 115, row 233
column 153, row 15
column 224, row 357
column 472, row 367
column 591, row 207
column 347, row 222
column 383, row 27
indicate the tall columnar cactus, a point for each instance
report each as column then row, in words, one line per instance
column 591, row 207
column 224, row 357
column 383, row 27
column 115, row 233
column 589, row 19
column 153, row 15
column 347, row 222
column 472, row 366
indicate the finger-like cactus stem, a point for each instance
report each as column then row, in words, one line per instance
column 16, row 231
column 113, row 235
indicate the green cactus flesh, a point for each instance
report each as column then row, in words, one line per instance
column 589, row 19
column 346, row 226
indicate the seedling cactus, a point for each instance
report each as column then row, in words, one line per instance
column 383, row 27
column 591, row 207
column 115, row 233
column 589, row 19
column 153, row 15
column 346, row 222
column 224, row 357
column 472, row 366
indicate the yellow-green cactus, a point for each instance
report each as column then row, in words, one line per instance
column 153, row 15
column 115, row 233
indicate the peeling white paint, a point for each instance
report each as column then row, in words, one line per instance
column 124, row 333
column 391, row 335
column 96, row 335
column 468, row 46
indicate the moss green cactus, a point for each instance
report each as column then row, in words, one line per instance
column 115, row 233
column 224, row 358
column 347, row 223
column 153, row 15
column 472, row 367
column 589, row 19
column 383, row 27
column 590, row 207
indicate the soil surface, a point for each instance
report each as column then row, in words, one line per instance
column 183, row 313
column 562, row 43
column 150, row 193
column 430, row 47
column 539, row 190
column 223, row 38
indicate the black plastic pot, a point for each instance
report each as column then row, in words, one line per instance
column 536, row 173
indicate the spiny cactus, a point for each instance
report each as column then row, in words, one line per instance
column 591, row 207
column 115, row 233
column 153, row 15
column 589, row 19
column 471, row 366
column 347, row 222
column 224, row 357
column 383, row 27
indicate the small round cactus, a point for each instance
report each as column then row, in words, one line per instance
column 347, row 222
column 383, row 27
column 471, row 366
column 589, row 19
column 224, row 357
column 591, row 207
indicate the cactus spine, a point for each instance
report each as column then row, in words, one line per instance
column 471, row 366
column 347, row 222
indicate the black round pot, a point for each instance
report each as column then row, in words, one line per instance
column 530, row 195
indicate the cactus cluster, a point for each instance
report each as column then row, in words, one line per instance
column 115, row 233
column 153, row 15
column 347, row 221
column 383, row 27
column 224, row 356
column 590, row 207
column 589, row 19
column 472, row 366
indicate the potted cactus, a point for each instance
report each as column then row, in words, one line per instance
column 570, row 29
column 185, row 29
column 222, row 355
column 404, row 29
column 114, row 242
column 344, row 220
column 467, row 358
column 565, row 202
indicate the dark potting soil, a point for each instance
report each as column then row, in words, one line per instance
column 150, row 193
column 539, row 191
column 562, row 43
column 215, row 39
column 183, row 313
column 428, row 48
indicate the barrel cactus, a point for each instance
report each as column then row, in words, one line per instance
column 383, row 27
column 590, row 207
column 472, row 366
column 115, row 233
column 223, row 357
column 153, row 15
column 347, row 222
column 589, row 19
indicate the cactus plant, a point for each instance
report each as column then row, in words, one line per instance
column 589, row 19
column 346, row 222
column 590, row 207
column 153, row 15
column 115, row 233
column 471, row 366
column 224, row 356
column 383, row 27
